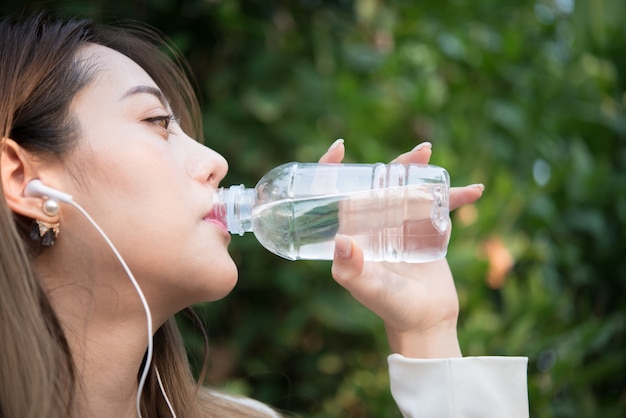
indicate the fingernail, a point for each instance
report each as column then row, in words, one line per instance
column 343, row 246
column 336, row 144
column 479, row 186
column 422, row 145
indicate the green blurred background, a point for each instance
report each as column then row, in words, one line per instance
column 527, row 97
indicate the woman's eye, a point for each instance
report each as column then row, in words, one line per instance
column 161, row 121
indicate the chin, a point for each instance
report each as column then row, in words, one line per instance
column 217, row 285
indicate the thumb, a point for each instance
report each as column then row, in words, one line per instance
column 348, row 261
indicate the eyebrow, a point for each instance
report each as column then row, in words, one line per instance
column 146, row 90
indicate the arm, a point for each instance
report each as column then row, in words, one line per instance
column 419, row 306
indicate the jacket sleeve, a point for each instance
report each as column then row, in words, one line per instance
column 460, row 387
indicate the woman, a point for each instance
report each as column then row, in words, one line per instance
column 89, row 111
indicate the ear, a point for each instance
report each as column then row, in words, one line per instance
column 17, row 168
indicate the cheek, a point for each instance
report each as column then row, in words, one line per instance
column 142, row 169
column 136, row 196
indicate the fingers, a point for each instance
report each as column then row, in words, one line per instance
column 460, row 196
column 335, row 153
column 348, row 261
column 418, row 155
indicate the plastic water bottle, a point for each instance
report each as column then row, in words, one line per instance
column 395, row 212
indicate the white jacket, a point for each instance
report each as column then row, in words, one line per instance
column 481, row 387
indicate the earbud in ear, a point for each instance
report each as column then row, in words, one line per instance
column 36, row 189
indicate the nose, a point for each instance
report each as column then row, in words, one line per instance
column 206, row 165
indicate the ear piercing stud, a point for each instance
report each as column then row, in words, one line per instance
column 51, row 207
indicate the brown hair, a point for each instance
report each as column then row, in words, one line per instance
column 39, row 77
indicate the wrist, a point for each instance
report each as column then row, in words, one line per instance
column 436, row 342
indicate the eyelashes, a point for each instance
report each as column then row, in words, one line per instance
column 163, row 122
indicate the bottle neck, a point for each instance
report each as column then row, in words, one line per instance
column 235, row 208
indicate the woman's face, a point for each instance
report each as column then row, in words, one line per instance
column 148, row 185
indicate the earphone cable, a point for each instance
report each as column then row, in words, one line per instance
column 144, row 302
column 167, row 400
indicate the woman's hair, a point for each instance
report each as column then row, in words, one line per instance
column 40, row 74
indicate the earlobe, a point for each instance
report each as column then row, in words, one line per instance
column 17, row 168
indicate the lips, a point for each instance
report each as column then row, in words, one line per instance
column 216, row 217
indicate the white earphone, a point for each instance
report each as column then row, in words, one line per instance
column 36, row 188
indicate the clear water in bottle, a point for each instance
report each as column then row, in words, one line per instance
column 392, row 224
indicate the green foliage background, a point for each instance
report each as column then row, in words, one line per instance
column 526, row 97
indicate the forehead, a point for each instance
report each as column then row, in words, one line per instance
column 113, row 66
column 112, row 91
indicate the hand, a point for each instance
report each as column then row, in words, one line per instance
column 417, row 302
